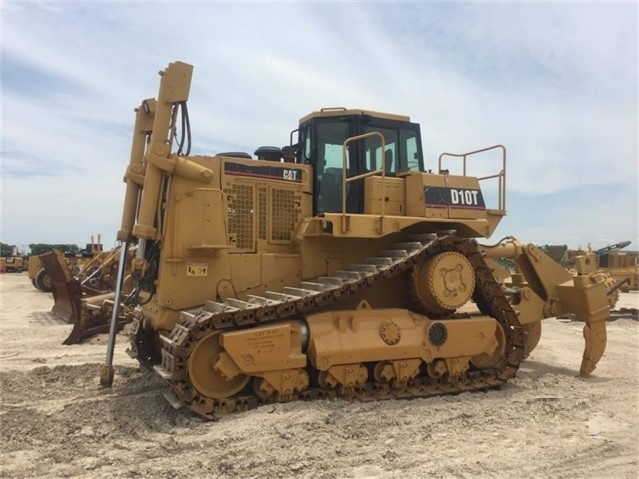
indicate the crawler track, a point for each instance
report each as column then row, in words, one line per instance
column 316, row 294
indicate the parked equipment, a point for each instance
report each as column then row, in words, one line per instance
column 38, row 275
column 12, row 264
column 622, row 266
column 342, row 271
column 75, row 263
column 83, row 299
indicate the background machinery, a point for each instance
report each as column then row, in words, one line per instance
column 337, row 266
column 11, row 261
column 83, row 286
column 38, row 275
column 12, row 264
column 84, row 299
column 622, row 266
column 76, row 262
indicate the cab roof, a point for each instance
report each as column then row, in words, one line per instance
column 341, row 111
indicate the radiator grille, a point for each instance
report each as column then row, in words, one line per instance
column 285, row 207
column 241, row 215
column 261, row 216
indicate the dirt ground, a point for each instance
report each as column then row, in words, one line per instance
column 56, row 421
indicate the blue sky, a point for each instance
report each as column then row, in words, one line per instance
column 555, row 83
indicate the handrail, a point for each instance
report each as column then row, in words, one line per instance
column 346, row 180
column 501, row 195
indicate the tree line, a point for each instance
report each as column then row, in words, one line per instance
column 6, row 250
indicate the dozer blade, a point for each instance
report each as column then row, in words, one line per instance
column 67, row 291
column 89, row 316
column 95, row 318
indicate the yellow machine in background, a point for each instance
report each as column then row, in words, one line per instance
column 12, row 264
column 83, row 291
column 38, row 275
column 82, row 285
column 75, row 262
column 336, row 266
column 622, row 266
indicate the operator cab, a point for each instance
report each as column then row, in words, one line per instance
column 321, row 138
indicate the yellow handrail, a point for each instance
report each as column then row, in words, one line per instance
column 346, row 180
column 501, row 175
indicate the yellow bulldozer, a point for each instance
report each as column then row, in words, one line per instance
column 12, row 264
column 623, row 266
column 82, row 286
column 75, row 262
column 336, row 266
column 11, row 261
column 84, row 298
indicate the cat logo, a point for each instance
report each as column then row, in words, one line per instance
column 290, row 175
column 197, row 269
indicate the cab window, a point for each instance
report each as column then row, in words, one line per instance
column 330, row 140
column 401, row 152
column 410, row 154
column 373, row 150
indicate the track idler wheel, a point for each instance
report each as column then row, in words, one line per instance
column 203, row 372
column 443, row 283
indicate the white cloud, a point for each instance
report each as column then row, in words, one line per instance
column 557, row 84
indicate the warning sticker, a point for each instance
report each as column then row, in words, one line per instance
column 196, row 269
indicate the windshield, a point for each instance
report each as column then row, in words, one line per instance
column 401, row 152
